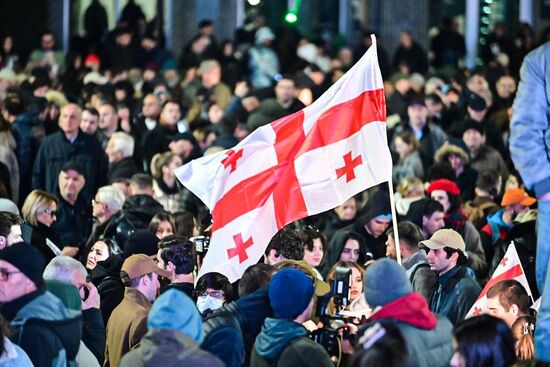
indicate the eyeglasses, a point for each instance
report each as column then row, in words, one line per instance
column 51, row 213
column 5, row 274
column 214, row 294
column 94, row 202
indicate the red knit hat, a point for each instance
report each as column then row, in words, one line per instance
column 92, row 59
column 446, row 185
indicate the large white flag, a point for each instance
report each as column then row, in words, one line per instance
column 300, row 165
column 509, row 268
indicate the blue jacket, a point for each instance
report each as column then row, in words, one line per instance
column 529, row 129
column 48, row 332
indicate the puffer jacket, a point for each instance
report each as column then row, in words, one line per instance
column 428, row 337
column 47, row 331
column 168, row 348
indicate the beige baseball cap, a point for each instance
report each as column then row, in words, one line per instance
column 445, row 238
column 141, row 264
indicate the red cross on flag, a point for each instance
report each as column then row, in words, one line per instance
column 300, row 165
column 509, row 268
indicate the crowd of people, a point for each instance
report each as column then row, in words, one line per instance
column 100, row 245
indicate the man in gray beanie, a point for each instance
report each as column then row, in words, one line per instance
column 389, row 292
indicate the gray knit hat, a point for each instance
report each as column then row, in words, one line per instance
column 385, row 281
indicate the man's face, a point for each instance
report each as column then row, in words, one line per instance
column 506, row 86
column 181, row 147
column 377, row 226
column 439, row 262
column 152, row 287
column 433, row 223
column 124, row 39
column 417, row 114
column 434, row 109
column 477, row 84
column 517, row 209
column 98, row 208
column 15, row 235
column 496, row 309
column 69, row 120
column 212, row 77
column 443, row 198
column 473, row 139
column 456, row 161
column 285, row 91
column 70, row 184
column 47, row 42
column 151, row 107
column 13, row 283
column 79, row 282
column 170, row 114
column 88, row 123
column 108, row 118
column 406, row 40
column 113, row 153
column 390, row 248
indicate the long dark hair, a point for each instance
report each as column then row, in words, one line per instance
column 485, row 341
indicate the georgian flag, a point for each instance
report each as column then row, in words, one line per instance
column 509, row 268
column 300, row 165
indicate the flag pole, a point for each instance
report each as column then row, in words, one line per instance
column 394, row 222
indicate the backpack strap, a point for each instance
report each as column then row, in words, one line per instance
column 495, row 232
column 413, row 269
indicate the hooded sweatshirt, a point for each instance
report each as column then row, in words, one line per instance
column 285, row 343
column 428, row 337
column 175, row 330
column 47, row 331
column 332, row 256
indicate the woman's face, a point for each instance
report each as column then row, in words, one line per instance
column 350, row 252
column 348, row 210
column 47, row 216
column 98, row 252
column 402, row 148
column 164, row 229
column 356, row 284
column 315, row 256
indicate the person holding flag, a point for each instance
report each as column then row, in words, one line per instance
column 300, row 165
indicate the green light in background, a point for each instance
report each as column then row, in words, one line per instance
column 290, row 17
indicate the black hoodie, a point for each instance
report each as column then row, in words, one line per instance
column 106, row 277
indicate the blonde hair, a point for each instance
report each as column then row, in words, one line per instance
column 36, row 201
column 332, row 275
column 160, row 160
column 409, row 184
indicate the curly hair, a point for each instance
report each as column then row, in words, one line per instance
column 288, row 244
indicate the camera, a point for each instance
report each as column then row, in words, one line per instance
column 202, row 244
column 329, row 310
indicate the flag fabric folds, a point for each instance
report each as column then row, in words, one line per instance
column 508, row 268
column 300, row 165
